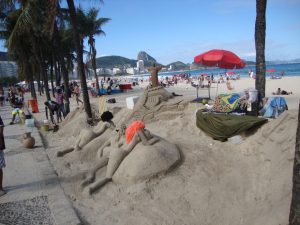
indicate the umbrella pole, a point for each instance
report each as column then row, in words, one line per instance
column 217, row 89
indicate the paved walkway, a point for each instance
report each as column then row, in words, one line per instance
column 34, row 194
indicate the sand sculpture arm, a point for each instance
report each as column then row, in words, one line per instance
column 116, row 157
column 100, row 151
column 143, row 136
column 85, row 137
column 104, row 127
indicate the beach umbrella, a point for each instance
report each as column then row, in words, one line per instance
column 231, row 73
column 220, row 58
column 271, row 71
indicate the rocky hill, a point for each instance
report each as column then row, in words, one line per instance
column 119, row 61
column 145, row 57
column 178, row 66
column 114, row 61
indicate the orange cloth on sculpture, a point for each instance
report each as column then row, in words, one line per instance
column 132, row 129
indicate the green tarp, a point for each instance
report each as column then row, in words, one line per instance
column 223, row 126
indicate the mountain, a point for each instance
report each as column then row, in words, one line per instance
column 145, row 57
column 114, row 61
column 120, row 62
column 178, row 66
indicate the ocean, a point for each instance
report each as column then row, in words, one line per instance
column 289, row 69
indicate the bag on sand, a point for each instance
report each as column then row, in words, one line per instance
column 111, row 100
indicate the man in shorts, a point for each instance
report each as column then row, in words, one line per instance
column 2, row 160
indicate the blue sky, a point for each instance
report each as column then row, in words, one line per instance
column 177, row 30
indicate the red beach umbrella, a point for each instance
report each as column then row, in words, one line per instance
column 220, row 58
column 231, row 73
column 271, row 71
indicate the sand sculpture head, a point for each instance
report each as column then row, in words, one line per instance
column 106, row 116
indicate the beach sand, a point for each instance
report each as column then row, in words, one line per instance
column 249, row 183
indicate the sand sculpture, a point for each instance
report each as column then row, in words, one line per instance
column 149, row 154
column 113, row 152
column 155, row 101
column 87, row 135
column 154, row 74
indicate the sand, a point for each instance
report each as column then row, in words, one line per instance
column 216, row 182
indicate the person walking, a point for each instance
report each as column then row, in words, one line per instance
column 2, row 160
column 77, row 94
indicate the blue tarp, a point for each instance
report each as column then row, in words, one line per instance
column 274, row 107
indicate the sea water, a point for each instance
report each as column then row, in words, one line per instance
column 289, row 70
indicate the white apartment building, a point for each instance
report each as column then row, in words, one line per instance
column 132, row 71
column 104, row 71
column 140, row 66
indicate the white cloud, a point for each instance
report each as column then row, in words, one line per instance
column 249, row 54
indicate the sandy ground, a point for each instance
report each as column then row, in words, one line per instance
column 216, row 183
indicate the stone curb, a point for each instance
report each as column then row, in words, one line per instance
column 60, row 206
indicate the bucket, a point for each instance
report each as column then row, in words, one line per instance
column 29, row 122
column 34, row 105
column 253, row 95
column 45, row 127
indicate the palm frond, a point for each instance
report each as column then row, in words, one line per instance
column 22, row 25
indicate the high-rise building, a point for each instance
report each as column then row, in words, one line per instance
column 140, row 66
column 8, row 69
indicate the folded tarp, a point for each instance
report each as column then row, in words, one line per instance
column 223, row 126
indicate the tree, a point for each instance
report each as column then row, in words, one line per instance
column 260, row 35
column 21, row 50
column 93, row 27
column 31, row 28
column 79, row 51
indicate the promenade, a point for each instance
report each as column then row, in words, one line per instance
column 34, row 194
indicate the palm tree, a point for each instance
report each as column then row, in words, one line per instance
column 21, row 50
column 260, row 35
column 93, row 27
column 27, row 37
column 79, row 51
column 63, row 42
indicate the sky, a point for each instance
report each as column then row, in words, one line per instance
column 177, row 30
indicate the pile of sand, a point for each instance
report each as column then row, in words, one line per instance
column 216, row 182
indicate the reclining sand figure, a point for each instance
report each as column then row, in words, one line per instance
column 87, row 135
column 113, row 151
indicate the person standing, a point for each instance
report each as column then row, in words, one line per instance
column 2, row 160
column 77, row 94
column 60, row 100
